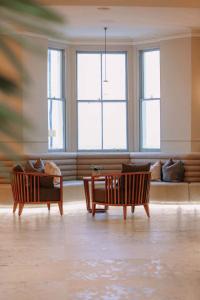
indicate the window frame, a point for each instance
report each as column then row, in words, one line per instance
column 62, row 99
column 142, row 99
column 102, row 101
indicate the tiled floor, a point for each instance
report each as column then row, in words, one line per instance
column 77, row 257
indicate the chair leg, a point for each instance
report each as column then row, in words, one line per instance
column 124, row 212
column 21, row 206
column 15, row 207
column 106, row 207
column 48, row 205
column 132, row 209
column 146, row 207
column 93, row 209
column 60, row 205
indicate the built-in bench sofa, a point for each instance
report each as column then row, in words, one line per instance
column 76, row 165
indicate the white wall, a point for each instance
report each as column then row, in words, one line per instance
column 35, row 105
column 176, row 95
column 177, row 120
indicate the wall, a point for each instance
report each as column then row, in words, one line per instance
column 35, row 105
column 195, row 128
column 176, row 95
column 180, row 95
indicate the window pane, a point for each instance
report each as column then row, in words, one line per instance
column 89, row 126
column 54, row 73
column 89, row 76
column 151, row 60
column 55, row 120
column 114, row 126
column 115, row 87
column 151, row 124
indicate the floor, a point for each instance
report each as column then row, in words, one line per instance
column 77, row 257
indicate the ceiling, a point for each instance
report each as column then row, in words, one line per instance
column 127, row 23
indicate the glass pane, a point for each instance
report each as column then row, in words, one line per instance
column 151, row 124
column 54, row 73
column 151, row 74
column 89, row 126
column 89, row 76
column 55, row 124
column 115, row 87
column 114, row 126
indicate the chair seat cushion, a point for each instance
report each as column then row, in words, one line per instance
column 45, row 195
column 100, row 195
column 49, row 194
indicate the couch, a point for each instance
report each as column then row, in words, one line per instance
column 76, row 165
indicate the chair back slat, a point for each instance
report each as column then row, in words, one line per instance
column 125, row 188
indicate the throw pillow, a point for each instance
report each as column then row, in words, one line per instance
column 129, row 168
column 51, row 168
column 32, row 167
column 38, row 167
column 173, row 171
column 126, row 168
column 39, row 164
column 155, row 170
column 18, row 168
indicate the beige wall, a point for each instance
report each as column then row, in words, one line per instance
column 195, row 128
column 35, row 106
column 176, row 95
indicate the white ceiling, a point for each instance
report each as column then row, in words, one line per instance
column 127, row 23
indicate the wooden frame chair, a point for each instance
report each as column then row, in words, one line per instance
column 122, row 189
column 26, row 189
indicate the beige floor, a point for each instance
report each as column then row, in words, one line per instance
column 76, row 257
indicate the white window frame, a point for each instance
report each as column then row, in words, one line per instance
column 142, row 99
column 62, row 99
column 103, row 101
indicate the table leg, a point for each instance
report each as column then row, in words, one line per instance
column 87, row 195
column 88, row 200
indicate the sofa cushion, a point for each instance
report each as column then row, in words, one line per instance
column 173, row 171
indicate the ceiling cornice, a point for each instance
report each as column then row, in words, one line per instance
column 122, row 42
column 147, row 3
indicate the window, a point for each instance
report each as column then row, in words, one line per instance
column 150, row 100
column 102, row 106
column 56, row 100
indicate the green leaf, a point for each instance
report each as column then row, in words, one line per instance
column 31, row 8
column 11, row 122
column 30, row 24
column 8, row 86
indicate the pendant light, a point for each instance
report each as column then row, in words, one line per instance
column 105, row 54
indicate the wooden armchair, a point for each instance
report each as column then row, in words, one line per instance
column 124, row 189
column 27, row 189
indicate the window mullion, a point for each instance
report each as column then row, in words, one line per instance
column 102, row 125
